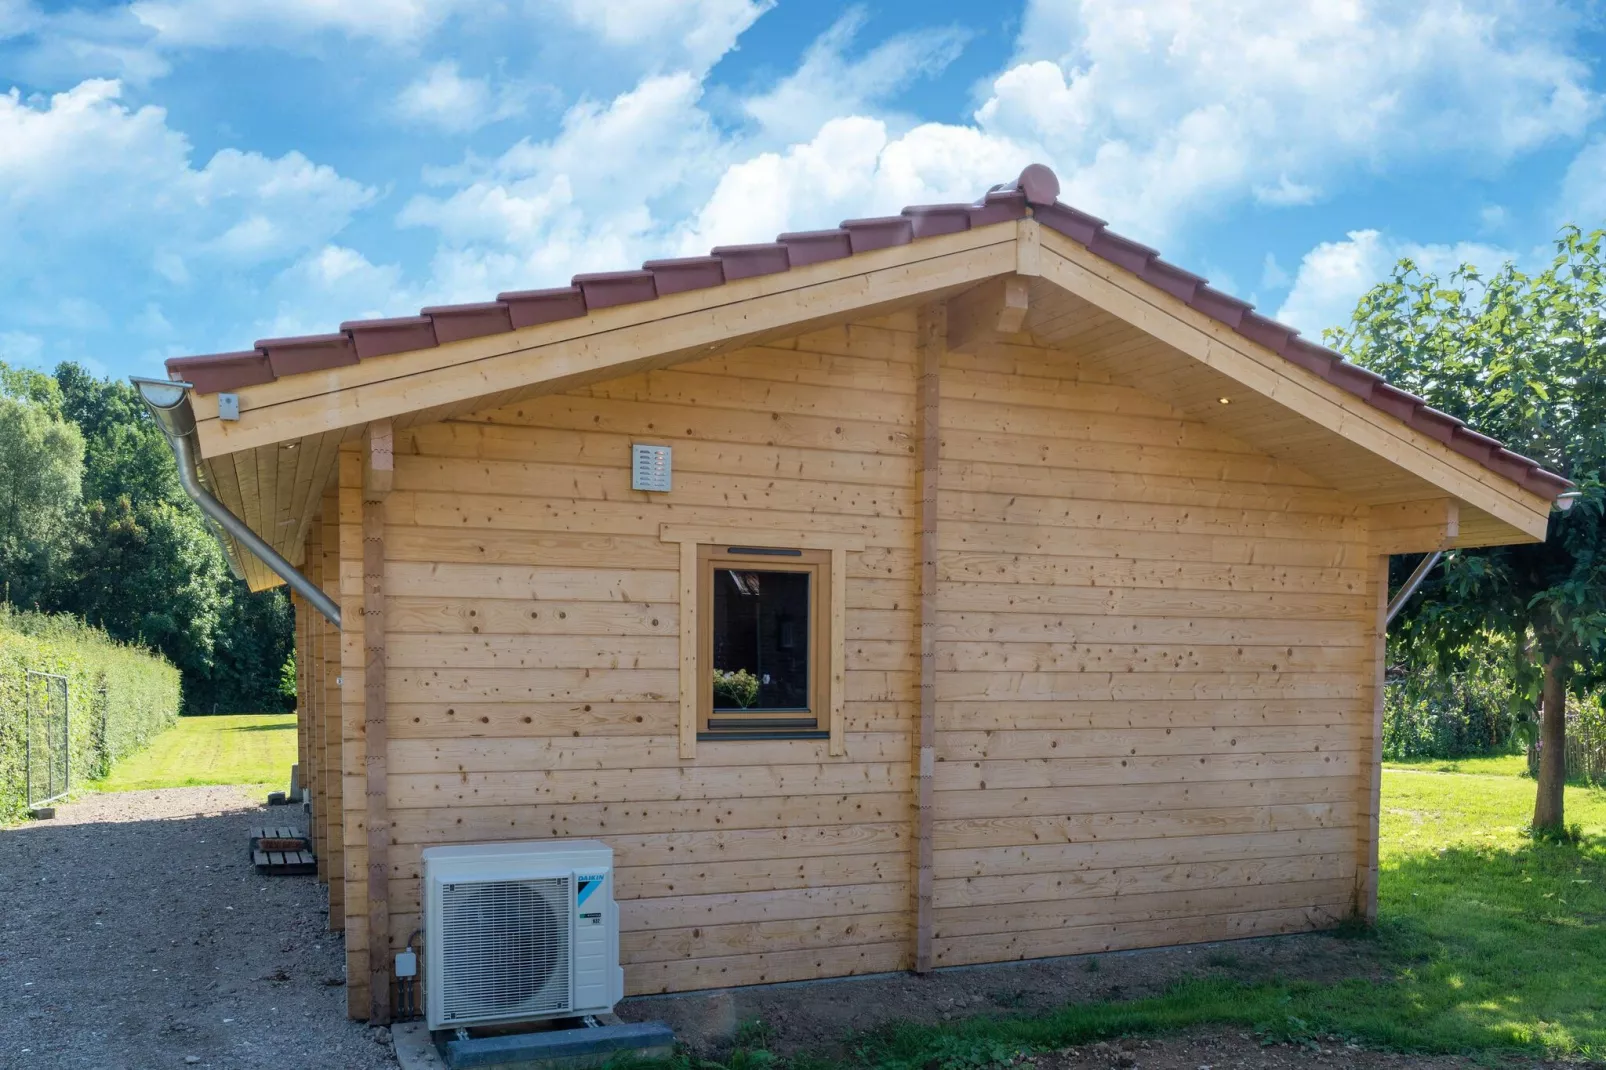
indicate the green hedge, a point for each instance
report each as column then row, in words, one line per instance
column 120, row 696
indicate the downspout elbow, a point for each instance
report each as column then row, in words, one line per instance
column 169, row 405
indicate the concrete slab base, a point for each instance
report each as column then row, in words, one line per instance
column 580, row 1048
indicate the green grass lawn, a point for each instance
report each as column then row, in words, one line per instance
column 1488, row 943
column 255, row 749
column 1490, row 765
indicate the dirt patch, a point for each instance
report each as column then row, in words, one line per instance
column 135, row 933
column 818, row 1015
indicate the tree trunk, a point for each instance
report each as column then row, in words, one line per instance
column 1549, row 815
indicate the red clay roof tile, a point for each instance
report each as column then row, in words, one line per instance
column 454, row 323
column 805, row 247
column 308, row 353
column 531, row 308
column 747, row 261
column 687, row 273
column 1034, row 192
column 378, row 338
column 605, row 289
column 221, row 372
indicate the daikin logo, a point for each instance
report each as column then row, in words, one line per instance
column 586, row 884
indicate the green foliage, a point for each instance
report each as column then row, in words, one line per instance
column 120, row 696
column 41, row 457
column 134, row 557
column 738, row 687
column 1448, row 714
column 1523, row 358
column 287, row 679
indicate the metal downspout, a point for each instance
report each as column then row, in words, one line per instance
column 1412, row 582
column 169, row 403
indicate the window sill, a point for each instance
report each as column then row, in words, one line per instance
column 784, row 733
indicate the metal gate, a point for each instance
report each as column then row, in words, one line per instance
column 48, row 728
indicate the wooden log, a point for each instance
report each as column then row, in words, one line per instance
column 932, row 332
column 377, row 478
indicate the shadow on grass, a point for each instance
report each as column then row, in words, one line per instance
column 288, row 726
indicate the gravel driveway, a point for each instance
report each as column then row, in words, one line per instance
column 134, row 933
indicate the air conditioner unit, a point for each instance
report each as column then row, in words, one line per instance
column 518, row 932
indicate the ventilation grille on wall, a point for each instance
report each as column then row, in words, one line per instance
column 506, row 948
column 649, row 468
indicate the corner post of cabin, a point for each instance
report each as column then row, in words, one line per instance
column 312, row 775
column 378, row 470
column 349, row 727
column 333, row 821
column 931, row 332
column 298, row 614
column 1370, row 802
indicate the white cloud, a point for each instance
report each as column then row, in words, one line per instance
column 330, row 285
column 593, row 197
column 82, row 165
column 685, row 33
column 851, row 167
column 22, row 348
column 209, row 23
column 1155, row 111
column 1583, row 189
column 1286, row 193
column 444, row 99
column 828, row 85
column 1334, row 275
column 1272, row 275
column 118, row 222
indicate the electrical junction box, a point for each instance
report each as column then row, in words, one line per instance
column 650, row 468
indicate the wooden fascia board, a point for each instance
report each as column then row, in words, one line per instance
column 606, row 344
column 1192, row 333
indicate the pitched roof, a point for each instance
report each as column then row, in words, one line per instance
column 1035, row 193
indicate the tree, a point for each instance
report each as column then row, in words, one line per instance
column 127, row 455
column 41, row 457
column 151, row 575
column 92, row 522
column 1523, row 358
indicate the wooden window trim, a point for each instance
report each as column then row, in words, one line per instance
column 816, row 564
column 839, row 544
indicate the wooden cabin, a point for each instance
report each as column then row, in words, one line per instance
column 1012, row 593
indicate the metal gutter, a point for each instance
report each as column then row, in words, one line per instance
column 169, row 403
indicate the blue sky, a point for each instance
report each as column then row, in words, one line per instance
column 186, row 176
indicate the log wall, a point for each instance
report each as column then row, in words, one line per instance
column 1152, row 669
column 1151, row 651
column 533, row 658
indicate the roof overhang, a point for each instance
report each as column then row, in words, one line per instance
column 273, row 464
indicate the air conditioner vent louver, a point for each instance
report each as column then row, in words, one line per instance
column 519, row 932
column 506, row 948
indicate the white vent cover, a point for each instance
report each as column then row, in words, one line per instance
column 519, row 932
column 649, row 468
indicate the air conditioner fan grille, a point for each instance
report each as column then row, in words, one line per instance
column 505, row 948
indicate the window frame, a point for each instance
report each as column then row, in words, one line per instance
column 687, row 537
column 816, row 564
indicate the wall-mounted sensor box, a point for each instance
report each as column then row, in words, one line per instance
column 649, row 468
